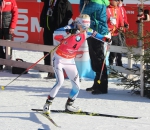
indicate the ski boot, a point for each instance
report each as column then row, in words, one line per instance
column 47, row 106
column 69, row 106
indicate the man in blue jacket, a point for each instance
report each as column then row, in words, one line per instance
column 96, row 9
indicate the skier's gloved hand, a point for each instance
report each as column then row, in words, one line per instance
column 72, row 31
column 87, row 1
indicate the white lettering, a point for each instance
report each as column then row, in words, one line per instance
column 35, row 25
column 130, row 12
column 23, row 11
column 23, row 35
column 22, row 20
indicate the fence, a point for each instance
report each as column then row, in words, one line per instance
column 25, row 46
column 45, row 48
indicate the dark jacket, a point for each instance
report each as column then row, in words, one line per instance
column 6, row 19
column 62, row 13
column 9, row 14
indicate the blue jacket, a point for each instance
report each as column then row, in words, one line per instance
column 96, row 9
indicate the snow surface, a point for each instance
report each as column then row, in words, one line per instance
column 31, row 90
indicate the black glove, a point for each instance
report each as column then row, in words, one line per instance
column 108, row 40
column 87, row 1
column 72, row 31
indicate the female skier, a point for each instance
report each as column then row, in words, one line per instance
column 63, row 59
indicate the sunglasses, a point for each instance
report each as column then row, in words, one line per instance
column 83, row 27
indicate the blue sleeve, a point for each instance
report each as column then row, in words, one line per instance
column 65, row 28
column 94, row 34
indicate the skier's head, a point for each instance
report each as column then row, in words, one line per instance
column 83, row 21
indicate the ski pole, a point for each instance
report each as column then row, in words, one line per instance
column 85, row 2
column 99, row 81
column 3, row 87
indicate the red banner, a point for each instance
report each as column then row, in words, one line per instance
column 28, row 29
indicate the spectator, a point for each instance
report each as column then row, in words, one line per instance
column 126, row 24
column 115, row 22
column 8, row 20
column 64, row 59
column 124, row 15
column 96, row 9
column 55, row 14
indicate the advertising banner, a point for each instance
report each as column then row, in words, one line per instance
column 28, row 28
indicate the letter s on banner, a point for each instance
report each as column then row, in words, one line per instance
column 22, row 20
column 23, row 36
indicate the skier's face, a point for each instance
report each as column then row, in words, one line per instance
column 81, row 28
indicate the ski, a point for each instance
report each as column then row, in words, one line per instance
column 89, row 114
column 46, row 116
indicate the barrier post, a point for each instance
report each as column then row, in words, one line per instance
column 141, row 45
column 8, row 53
column 130, row 65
